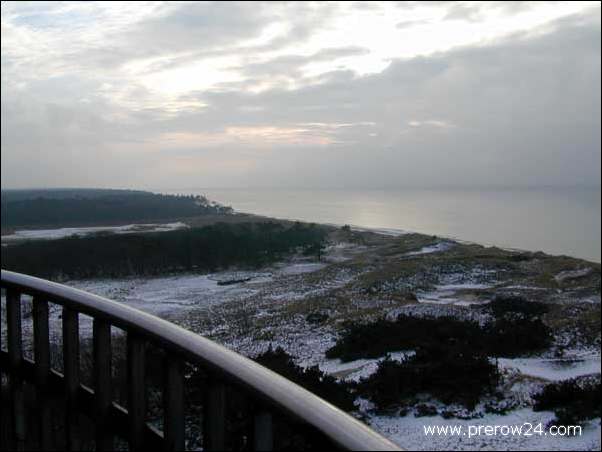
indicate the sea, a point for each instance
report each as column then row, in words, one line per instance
column 558, row 221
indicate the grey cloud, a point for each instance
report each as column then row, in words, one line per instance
column 525, row 110
column 411, row 23
column 290, row 66
column 199, row 25
column 304, row 18
column 339, row 52
column 195, row 31
column 467, row 12
column 183, row 33
column 473, row 11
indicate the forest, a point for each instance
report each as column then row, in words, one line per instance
column 209, row 248
column 57, row 208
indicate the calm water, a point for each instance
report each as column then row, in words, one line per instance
column 557, row 221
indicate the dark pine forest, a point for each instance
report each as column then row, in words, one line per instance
column 209, row 248
column 57, row 208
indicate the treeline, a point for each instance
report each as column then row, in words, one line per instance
column 208, row 248
column 9, row 195
column 83, row 208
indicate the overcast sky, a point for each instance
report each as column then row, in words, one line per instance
column 173, row 95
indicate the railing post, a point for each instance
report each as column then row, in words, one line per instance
column 71, row 371
column 214, row 415
column 1, row 326
column 15, row 358
column 136, row 391
column 4, row 415
column 102, row 383
column 173, row 394
column 263, row 430
column 41, row 337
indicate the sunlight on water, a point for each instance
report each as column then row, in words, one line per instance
column 557, row 221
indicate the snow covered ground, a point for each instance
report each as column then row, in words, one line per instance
column 165, row 295
column 453, row 294
column 54, row 234
column 177, row 296
column 301, row 268
column 460, row 288
column 270, row 307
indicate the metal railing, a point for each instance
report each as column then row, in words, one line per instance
column 274, row 397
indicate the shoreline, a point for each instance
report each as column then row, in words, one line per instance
column 398, row 232
column 9, row 236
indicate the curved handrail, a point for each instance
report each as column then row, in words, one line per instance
column 341, row 428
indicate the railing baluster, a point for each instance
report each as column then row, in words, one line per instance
column 263, row 432
column 173, row 394
column 136, row 391
column 41, row 341
column 214, row 431
column 1, row 326
column 4, row 415
column 15, row 357
column 41, row 337
column 102, row 383
column 4, row 410
column 71, row 371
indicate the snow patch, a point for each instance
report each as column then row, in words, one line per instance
column 573, row 274
column 389, row 232
column 553, row 369
column 359, row 369
column 447, row 294
column 300, row 268
column 61, row 233
column 430, row 249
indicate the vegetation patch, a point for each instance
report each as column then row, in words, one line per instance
column 313, row 379
column 518, row 336
column 503, row 338
column 452, row 374
column 503, row 304
column 573, row 401
column 376, row 339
